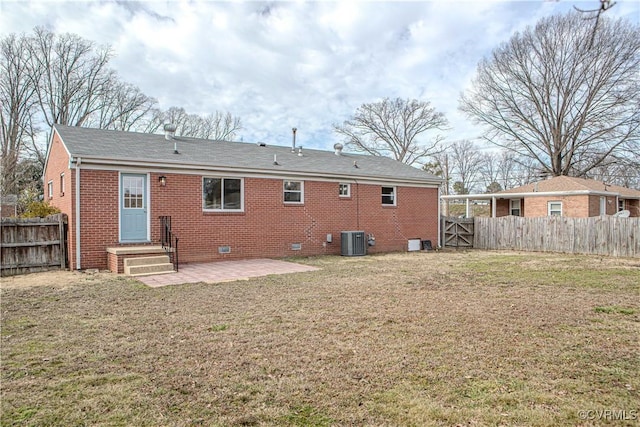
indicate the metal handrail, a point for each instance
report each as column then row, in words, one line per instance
column 169, row 240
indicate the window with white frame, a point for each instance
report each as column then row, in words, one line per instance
column 344, row 190
column 61, row 184
column 222, row 194
column 603, row 205
column 515, row 207
column 389, row 196
column 50, row 189
column 554, row 208
column 620, row 205
column 293, row 191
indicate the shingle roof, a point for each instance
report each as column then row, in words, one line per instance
column 568, row 183
column 117, row 146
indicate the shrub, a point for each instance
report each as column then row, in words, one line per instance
column 39, row 209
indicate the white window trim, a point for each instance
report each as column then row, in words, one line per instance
column 223, row 209
column 395, row 195
column 50, row 189
column 62, row 184
column 602, row 205
column 348, row 186
column 519, row 208
column 549, row 210
column 301, row 202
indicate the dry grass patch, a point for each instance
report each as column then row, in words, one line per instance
column 469, row 338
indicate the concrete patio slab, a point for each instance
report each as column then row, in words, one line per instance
column 225, row 271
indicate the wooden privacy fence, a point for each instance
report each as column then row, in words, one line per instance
column 457, row 232
column 33, row 244
column 603, row 235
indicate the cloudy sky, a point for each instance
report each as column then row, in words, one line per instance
column 285, row 64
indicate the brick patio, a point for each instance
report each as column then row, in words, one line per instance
column 224, row 271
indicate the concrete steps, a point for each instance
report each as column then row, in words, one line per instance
column 146, row 266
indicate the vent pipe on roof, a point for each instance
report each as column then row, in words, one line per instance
column 338, row 148
column 169, row 131
column 169, row 134
column 293, row 147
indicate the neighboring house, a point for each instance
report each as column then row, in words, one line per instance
column 229, row 200
column 562, row 196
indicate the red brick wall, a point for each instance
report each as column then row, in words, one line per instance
column 98, row 216
column 580, row 206
column 267, row 227
column 502, row 207
column 57, row 163
column 633, row 206
column 572, row 206
column 594, row 205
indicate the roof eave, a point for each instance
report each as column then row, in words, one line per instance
column 117, row 162
column 537, row 194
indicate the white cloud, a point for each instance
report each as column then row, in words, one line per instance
column 305, row 64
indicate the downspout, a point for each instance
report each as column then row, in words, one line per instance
column 78, row 162
column 439, row 217
column 357, row 204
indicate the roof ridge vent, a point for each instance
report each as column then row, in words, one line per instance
column 338, row 148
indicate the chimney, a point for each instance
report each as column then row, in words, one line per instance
column 293, row 148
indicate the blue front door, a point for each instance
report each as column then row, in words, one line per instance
column 133, row 208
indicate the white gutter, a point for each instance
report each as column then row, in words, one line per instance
column 77, row 215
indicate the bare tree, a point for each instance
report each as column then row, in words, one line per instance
column 220, row 126
column 17, row 106
column 595, row 15
column 618, row 171
column 124, row 107
column 217, row 126
column 70, row 75
column 466, row 162
column 490, row 172
column 548, row 96
column 394, row 128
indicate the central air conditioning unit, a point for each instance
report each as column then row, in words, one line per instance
column 353, row 243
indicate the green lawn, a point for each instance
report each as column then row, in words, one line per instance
column 441, row 338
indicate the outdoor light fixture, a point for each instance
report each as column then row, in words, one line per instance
column 163, row 180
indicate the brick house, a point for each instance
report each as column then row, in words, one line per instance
column 228, row 200
column 563, row 196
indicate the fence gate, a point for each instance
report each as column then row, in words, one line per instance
column 33, row 244
column 457, row 232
